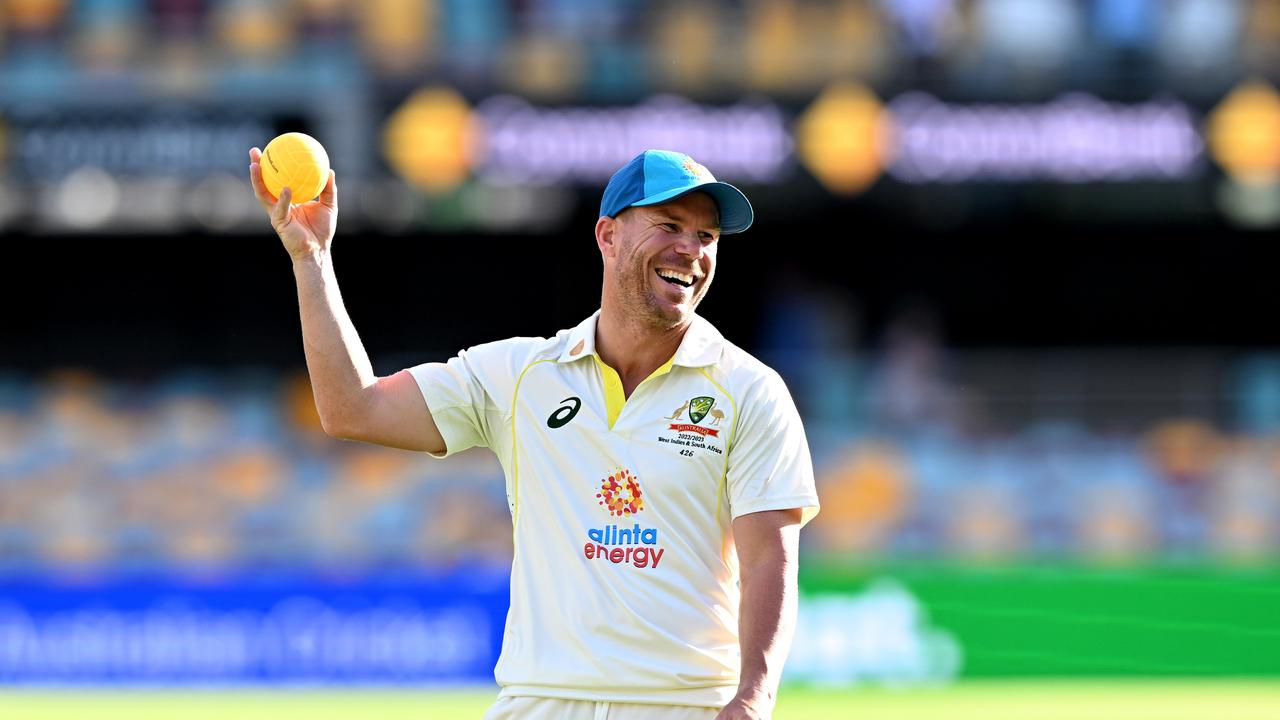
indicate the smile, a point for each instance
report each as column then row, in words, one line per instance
column 678, row 279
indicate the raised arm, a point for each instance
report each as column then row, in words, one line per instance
column 354, row 404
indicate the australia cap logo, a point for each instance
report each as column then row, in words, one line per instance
column 698, row 171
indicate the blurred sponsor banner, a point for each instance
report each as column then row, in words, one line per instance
column 915, row 625
column 49, row 145
column 85, row 168
column 847, row 138
column 440, row 628
column 505, row 162
column 931, row 624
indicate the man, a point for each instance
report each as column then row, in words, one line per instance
column 654, row 574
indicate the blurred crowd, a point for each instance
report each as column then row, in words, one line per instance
column 919, row 455
column 218, row 471
column 133, row 115
column 920, row 452
column 604, row 48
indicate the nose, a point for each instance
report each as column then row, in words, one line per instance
column 689, row 245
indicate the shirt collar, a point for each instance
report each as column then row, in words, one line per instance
column 582, row 340
column 700, row 347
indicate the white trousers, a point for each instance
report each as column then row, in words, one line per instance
column 536, row 708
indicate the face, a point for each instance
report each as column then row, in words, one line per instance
column 659, row 260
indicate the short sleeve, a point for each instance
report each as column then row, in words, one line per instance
column 458, row 400
column 769, row 464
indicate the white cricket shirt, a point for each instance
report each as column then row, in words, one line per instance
column 624, row 581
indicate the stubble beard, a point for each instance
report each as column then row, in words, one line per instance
column 643, row 308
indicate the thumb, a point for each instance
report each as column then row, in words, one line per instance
column 329, row 195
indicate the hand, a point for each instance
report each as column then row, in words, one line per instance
column 304, row 229
column 741, row 708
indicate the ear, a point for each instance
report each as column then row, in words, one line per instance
column 606, row 229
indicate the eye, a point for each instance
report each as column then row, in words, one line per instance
column 670, row 227
column 707, row 238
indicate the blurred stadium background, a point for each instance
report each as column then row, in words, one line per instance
column 1015, row 258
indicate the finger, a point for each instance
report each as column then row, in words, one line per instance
column 329, row 195
column 265, row 198
column 280, row 215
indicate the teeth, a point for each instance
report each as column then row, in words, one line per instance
column 673, row 275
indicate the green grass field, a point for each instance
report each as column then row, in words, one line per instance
column 1015, row 700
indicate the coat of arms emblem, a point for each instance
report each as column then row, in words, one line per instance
column 699, row 407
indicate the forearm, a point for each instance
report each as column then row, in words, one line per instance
column 766, row 623
column 336, row 360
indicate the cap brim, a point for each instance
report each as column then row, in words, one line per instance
column 736, row 214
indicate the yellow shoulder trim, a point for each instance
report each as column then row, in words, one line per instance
column 515, row 448
column 728, row 445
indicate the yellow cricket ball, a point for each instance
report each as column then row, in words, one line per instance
column 298, row 162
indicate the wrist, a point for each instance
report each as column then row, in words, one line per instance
column 755, row 696
column 310, row 257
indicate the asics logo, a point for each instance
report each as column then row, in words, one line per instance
column 565, row 413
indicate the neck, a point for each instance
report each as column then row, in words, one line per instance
column 634, row 348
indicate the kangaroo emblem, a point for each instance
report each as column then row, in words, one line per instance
column 716, row 416
column 680, row 411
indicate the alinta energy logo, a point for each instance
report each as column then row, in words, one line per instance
column 432, row 140
column 847, row 138
column 438, row 141
column 1244, row 133
column 621, row 496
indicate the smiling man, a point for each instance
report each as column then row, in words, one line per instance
column 657, row 475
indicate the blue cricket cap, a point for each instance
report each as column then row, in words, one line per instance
column 656, row 176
